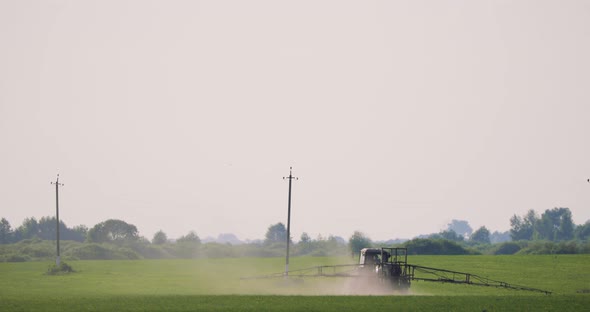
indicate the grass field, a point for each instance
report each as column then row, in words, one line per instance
column 215, row 285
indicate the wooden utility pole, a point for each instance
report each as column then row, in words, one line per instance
column 290, row 177
column 57, row 185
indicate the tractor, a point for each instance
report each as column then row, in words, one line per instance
column 389, row 269
column 389, row 265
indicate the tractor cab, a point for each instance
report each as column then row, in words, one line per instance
column 373, row 256
column 383, row 255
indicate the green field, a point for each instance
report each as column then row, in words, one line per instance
column 215, row 285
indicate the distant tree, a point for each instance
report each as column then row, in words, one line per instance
column 305, row 245
column 5, row 232
column 46, row 227
column 228, row 238
column 188, row 246
column 523, row 228
column 47, row 230
column 332, row 243
column 507, row 248
column 461, row 227
column 304, row 238
column 276, row 233
column 450, row 235
column 113, row 230
column 159, row 238
column 556, row 225
column 337, row 239
column 29, row 229
column 358, row 241
column 582, row 232
column 421, row 246
column 500, row 237
column 191, row 237
column 77, row 233
column 481, row 235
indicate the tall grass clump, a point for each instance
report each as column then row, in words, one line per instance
column 62, row 268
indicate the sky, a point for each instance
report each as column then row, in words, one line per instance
column 396, row 116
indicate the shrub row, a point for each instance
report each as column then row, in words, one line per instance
column 541, row 248
column 427, row 246
column 36, row 249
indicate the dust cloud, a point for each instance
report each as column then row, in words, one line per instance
column 321, row 286
column 260, row 276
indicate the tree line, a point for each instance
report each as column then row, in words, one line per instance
column 553, row 225
column 117, row 239
column 553, row 231
column 44, row 228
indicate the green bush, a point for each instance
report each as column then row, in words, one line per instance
column 253, row 250
column 62, row 268
column 126, row 254
column 40, row 250
column 508, row 248
column 16, row 258
column 186, row 250
column 34, row 240
column 145, row 249
column 584, row 247
column 548, row 248
column 422, row 246
column 95, row 251
column 91, row 252
column 216, row 250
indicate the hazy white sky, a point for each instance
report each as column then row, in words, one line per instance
column 397, row 116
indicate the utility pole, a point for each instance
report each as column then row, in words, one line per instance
column 57, row 185
column 290, row 177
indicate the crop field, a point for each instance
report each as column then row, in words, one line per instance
column 216, row 285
